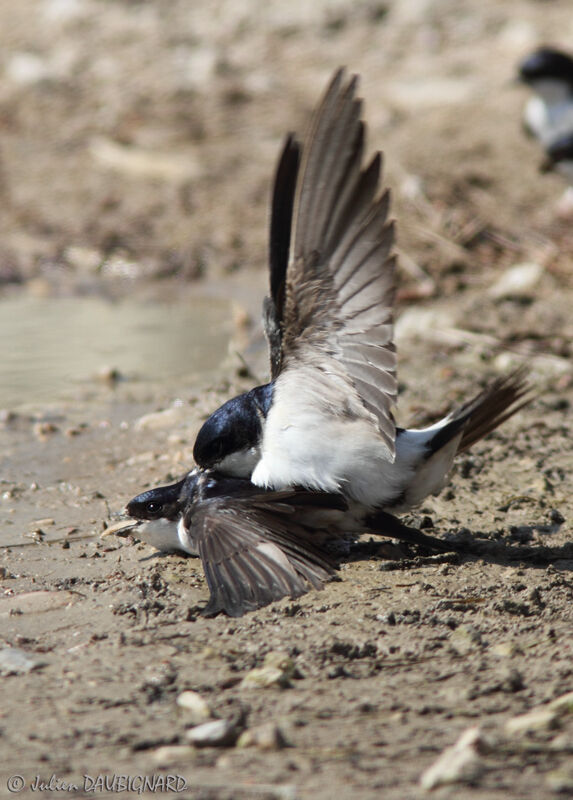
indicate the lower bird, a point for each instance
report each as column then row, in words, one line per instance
column 255, row 546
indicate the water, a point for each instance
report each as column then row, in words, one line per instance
column 50, row 346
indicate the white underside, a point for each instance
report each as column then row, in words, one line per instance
column 239, row 464
column 166, row 536
column 549, row 119
column 312, row 447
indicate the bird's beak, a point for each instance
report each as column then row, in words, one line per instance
column 122, row 528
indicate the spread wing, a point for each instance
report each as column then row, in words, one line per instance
column 338, row 301
column 258, row 549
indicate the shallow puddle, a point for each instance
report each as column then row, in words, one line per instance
column 50, row 346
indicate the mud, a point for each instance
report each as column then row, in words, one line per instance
column 138, row 140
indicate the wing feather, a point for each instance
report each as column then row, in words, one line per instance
column 279, row 245
column 340, row 283
column 258, row 548
column 354, row 200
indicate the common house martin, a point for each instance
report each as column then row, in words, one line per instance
column 549, row 113
column 255, row 546
column 325, row 420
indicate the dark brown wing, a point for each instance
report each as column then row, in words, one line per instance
column 341, row 280
column 258, row 549
column 284, row 187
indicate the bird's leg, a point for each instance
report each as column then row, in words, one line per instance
column 384, row 524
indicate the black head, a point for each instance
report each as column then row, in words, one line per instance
column 546, row 63
column 162, row 503
column 235, row 427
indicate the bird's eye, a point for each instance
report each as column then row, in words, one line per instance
column 152, row 507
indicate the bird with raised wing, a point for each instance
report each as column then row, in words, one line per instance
column 325, row 421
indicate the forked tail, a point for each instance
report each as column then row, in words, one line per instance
column 486, row 411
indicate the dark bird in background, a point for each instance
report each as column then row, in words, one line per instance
column 549, row 113
column 315, row 454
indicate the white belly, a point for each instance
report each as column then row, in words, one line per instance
column 549, row 121
column 309, row 442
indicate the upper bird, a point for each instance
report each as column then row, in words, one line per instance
column 549, row 113
column 325, row 419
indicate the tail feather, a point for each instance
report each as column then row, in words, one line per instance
column 484, row 412
column 497, row 403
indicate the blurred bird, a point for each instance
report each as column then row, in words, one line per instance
column 325, row 420
column 255, row 546
column 549, row 114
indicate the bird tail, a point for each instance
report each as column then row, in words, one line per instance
column 485, row 412
column 442, row 442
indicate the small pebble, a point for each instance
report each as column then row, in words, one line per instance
column 277, row 670
column 466, row 638
column 217, row 733
column 457, row 764
column 556, row 516
column 108, row 375
column 195, row 704
column 505, row 649
column 562, row 704
column 169, row 755
column 14, row 661
column 517, row 281
column 159, row 420
column 42, row 430
column 264, row 737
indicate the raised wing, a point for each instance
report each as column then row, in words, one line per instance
column 341, row 280
column 257, row 549
column 284, row 187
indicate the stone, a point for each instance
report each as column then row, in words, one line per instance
column 195, row 704
column 217, row 733
column 460, row 763
column 264, row 737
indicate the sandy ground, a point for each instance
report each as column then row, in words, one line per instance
column 137, row 144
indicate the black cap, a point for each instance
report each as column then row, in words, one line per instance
column 546, row 63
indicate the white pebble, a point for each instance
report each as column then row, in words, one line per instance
column 518, row 280
column 457, row 764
